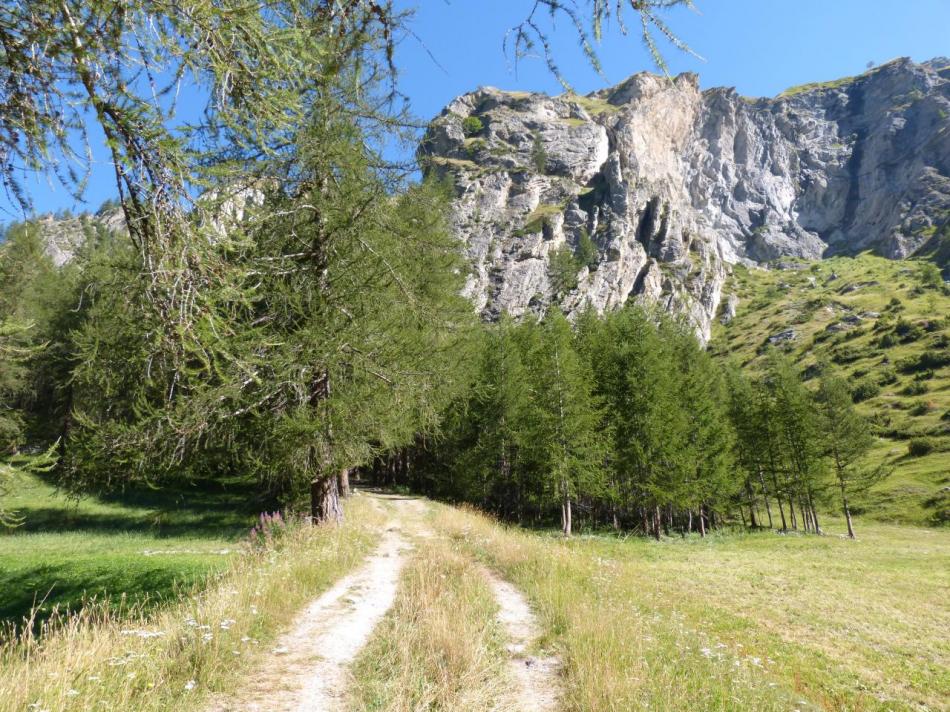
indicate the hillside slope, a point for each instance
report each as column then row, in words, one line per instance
column 884, row 324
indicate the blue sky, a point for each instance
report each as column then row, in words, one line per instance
column 758, row 46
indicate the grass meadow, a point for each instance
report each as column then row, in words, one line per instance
column 137, row 550
column 735, row 621
column 121, row 651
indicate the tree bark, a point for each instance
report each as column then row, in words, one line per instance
column 325, row 501
column 847, row 510
column 702, row 523
column 657, row 522
column 343, row 482
column 566, row 514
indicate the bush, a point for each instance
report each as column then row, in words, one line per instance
column 887, row 341
column 908, row 331
column 920, row 408
column 916, row 388
column 847, row 354
column 887, row 377
column 472, row 126
column 918, row 447
column 473, row 148
column 928, row 274
column 928, row 360
column 864, row 389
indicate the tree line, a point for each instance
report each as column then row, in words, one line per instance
column 625, row 421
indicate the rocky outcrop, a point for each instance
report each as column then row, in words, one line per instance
column 62, row 236
column 671, row 184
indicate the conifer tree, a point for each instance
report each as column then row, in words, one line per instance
column 847, row 438
column 564, row 418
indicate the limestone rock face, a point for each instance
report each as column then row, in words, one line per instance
column 673, row 184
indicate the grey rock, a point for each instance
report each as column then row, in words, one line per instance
column 675, row 184
column 729, row 309
column 783, row 337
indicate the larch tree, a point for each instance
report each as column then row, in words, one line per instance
column 565, row 417
column 847, row 439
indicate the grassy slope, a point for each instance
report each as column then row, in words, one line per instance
column 809, row 301
column 143, row 547
column 735, row 622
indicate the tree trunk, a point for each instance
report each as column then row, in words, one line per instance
column 702, row 523
column 847, row 511
column 343, row 482
column 325, row 501
column 657, row 522
column 765, row 496
column 566, row 515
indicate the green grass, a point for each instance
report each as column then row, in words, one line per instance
column 903, row 403
column 140, row 549
column 592, row 105
column 816, row 86
column 736, row 621
column 172, row 657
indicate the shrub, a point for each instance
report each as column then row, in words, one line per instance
column 928, row 274
column 918, row 447
column 847, row 354
column 539, row 157
column 887, row 341
column 915, row 389
column 472, row 126
column 864, row 389
column 920, row 408
column 887, row 377
column 928, row 360
column 474, row 147
column 908, row 331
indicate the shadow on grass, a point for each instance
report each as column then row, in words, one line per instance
column 205, row 509
column 72, row 586
column 69, row 576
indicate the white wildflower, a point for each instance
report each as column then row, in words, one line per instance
column 190, row 685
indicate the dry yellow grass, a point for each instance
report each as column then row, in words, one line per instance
column 99, row 660
column 755, row 622
column 440, row 647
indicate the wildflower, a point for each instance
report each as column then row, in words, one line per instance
column 190, row 685
column 706, row 652
column 72, row 692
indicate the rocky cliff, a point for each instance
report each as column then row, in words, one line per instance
column 670, row 184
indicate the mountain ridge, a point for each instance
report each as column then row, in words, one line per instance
column 673, row 184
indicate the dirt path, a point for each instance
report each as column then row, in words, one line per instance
column 537, row 685
column 307, row 669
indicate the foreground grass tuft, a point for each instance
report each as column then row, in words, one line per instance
column 440, row 647
column 169, row 659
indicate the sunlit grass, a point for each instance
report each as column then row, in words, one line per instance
column 440, row 647
column 138, row 550
column 821, row 295
column 737, row 622
column 170, row 658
